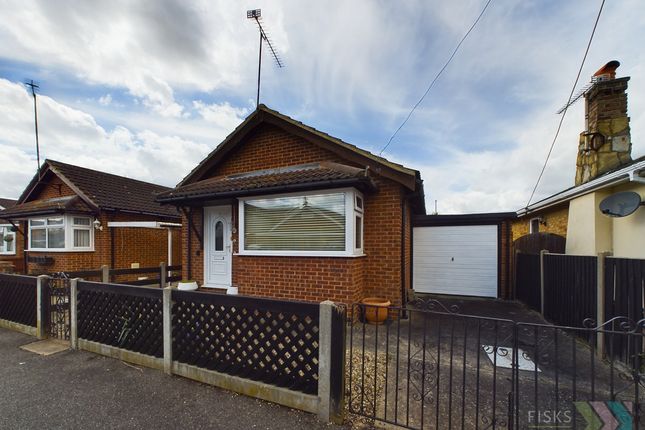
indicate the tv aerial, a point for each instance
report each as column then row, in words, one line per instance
column 256, row 14
column 605, row 73
column 621, row 204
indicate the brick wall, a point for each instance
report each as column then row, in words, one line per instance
column 346, row 280
column 556, row 219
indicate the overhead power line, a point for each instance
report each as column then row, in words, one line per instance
column 566, row 106
column 437, row 76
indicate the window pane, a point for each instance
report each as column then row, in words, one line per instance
column 219, row 236
column 56, row 237
column 81, row 221
column 38, row 239
column 55, row 221
column 306, row 223
column 81, row 238
column 9, row 246
column 36, row 222
column 359, row 232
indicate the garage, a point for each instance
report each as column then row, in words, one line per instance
column 461, row 254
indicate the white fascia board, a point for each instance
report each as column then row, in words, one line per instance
column 612, row 179
column 134, row 224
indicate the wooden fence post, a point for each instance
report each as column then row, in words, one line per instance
column 105, row 274
column 167, row 330
column 73, row 312
column 41, row 306
column 543, row 253
column 600, row 300
column 163, row 275
column 331, row 362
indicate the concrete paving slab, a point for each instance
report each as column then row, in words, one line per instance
column 46, row 347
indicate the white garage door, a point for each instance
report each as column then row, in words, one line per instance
column 459, row 260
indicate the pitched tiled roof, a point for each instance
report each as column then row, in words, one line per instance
column 7, row 203
column 48, row 206
column 314, row 175
column 263, row 110
column 107, row 191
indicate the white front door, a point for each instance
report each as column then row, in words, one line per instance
column 217, row 247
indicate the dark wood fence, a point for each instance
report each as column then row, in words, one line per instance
column 121, row 316
column 570, row 284
column 18, row 299
column 130, row 276
column 624, row 299
column 270, row 341
column 527, row 280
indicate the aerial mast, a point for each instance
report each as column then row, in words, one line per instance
column 256, row 14
column 34, row 87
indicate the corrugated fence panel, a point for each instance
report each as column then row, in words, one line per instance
column 570, row 288
column 624, row 295
column 527, row 280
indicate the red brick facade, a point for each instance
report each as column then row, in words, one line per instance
column 341, row 279
column 146, row 246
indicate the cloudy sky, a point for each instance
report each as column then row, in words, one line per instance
column 146, row 88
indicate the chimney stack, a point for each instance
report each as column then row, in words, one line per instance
column 606, row 143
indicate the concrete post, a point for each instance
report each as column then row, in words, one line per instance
column 600, row 301
column 331, row 362
column 162, row 275
column 41, row 306
column 167, row 330
column 73, row 313
column 542, row 254
column 105, row 274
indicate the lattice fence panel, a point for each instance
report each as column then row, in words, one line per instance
column 18, row 299
column 264, row 340
column 121, row 316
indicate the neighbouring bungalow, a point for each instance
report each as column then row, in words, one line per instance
column 70, row 218
column 604, row 167
column 8, row 259
column 280, row 209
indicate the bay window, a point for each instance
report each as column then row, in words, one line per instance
column 7, row 240
column 320, row 223
column 61, row 233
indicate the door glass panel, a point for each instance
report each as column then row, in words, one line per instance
column 219, row 236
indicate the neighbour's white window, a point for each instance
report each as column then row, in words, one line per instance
column 61, row 233
column 317, row 223
column 7, row 240
column 534, row 225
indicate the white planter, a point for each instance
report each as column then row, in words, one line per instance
column 187, row 286
column 232, row 291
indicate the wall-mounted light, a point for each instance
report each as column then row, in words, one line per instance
column 97, row 225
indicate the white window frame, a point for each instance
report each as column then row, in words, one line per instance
column 69, row 227
column 2, row 245
column 350, row 212
column 534, row 220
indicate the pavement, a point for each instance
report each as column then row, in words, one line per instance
column 81, row 390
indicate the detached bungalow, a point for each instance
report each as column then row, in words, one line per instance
column 74, row 218
column 280, row 209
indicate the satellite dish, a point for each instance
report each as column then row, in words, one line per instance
column 620, row 204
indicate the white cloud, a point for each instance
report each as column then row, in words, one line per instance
column 105, row 100
column 73, row 136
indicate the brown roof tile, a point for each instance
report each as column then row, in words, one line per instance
column 48, row 206
column 322, row 174
column 7, row 203
column 108, row 191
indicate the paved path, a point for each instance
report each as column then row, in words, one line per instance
column 80, row 390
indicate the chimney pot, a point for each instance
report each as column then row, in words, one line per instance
column 606, row 72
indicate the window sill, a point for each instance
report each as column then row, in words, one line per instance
column 7, row 254
column 295, row 254
column 59, row 250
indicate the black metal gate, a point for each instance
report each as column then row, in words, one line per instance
column 58, row 308
column 437, row 368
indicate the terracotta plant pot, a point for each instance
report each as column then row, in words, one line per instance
column 376, row 309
